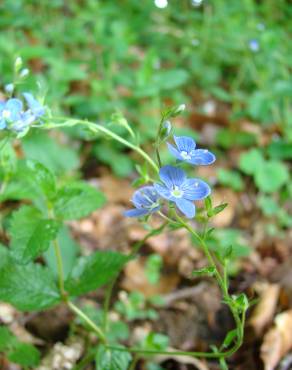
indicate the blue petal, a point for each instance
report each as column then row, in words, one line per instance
column 14, row 105
column 174, row 152
column 34, row 105
column 185, row 143
column 201, row 157
column 186, row 207
column 172, row 176
column 2, row 105
column 145, row 196
column 195, row 189
column 136, row 212
column 163, row 191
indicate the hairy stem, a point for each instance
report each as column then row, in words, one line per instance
column 96, row 128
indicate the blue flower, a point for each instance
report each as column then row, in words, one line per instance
column 146, row 201
column 254, row 45
column 182, row 191
column 10, row 111
column 186, row 151
column 36, row 108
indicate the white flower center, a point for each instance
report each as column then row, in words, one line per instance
column 177, row 192
column 6, row 114
column 185, row 154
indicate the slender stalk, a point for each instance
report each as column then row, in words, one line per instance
column 106, row 304
column 60, row 269
column 99, row 128
column 83, row 316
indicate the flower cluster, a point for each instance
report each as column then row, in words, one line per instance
column 174, row 186
column 15, row 118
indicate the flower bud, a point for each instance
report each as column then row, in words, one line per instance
column 24, row 72
column 18, row 64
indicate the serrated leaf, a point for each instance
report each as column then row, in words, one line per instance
column 28, row 288
column 107, row 359
column 42, row 177
column 77, row 200
column 91, row 272
column 24, row 354
column 30, row 233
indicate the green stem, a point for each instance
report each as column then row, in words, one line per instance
column 98, row 128
column 106, row 304
column 84, row 317
column 60, row 269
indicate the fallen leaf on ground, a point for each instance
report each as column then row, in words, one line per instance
column 264, row 312
column 278, row 340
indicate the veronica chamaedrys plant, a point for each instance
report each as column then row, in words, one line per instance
column 36, row 227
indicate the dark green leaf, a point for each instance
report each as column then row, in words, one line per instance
column 28, row 288
column 30, row 233
column 77, row 200
column 219, row 208
column 93, row 271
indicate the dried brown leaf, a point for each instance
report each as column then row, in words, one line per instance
column 264, row 312
column 278, row 340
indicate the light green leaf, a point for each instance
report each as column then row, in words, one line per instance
column 77, row 200
column 107, row 359
column 93, row 271
column 28, row 288
column 58, row 158
column 271, row 176
column 251, row 161
column 24, row 354
column 42, row 177
column 6, row 338
column 230, row 178
column 30, row 233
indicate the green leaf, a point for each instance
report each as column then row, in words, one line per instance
column 280, row 150
column 30, row 233
column 208, row 204
column 250, row 162
column 69, row 251
column 155, row 341
column 28, row 288
column 6, row 338
column 206, row 271
column 219, row 208
column 58, row 158
column 107, row 359
column 91, row 272
column 230, row 336
column 77, row 200
column 230, row 178
column 24, row 354
column 271, row 176
column 43, row 178
column 228, row 139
